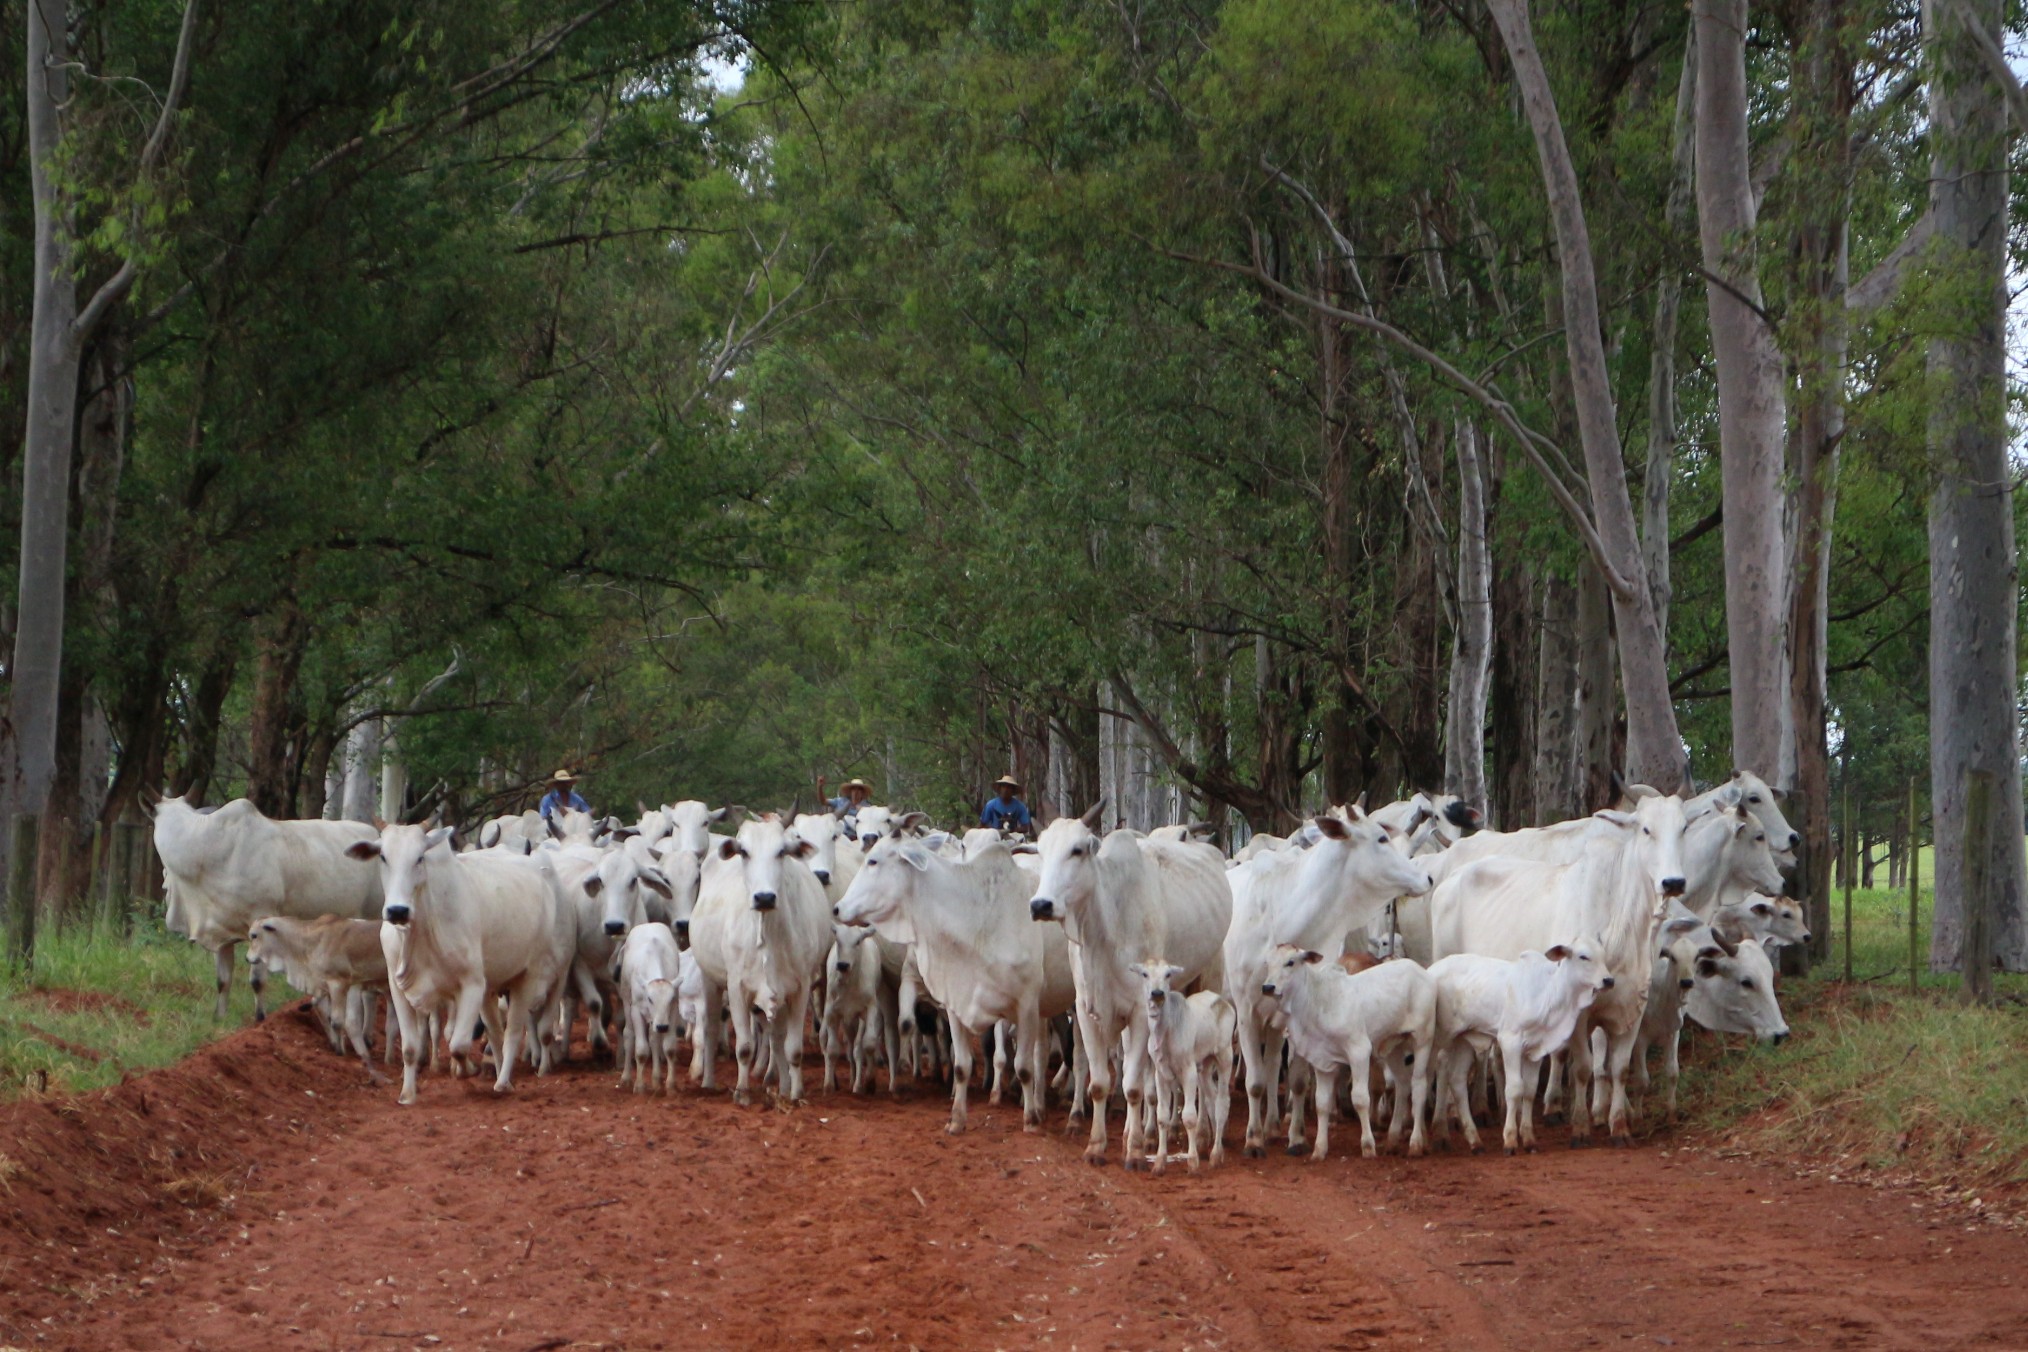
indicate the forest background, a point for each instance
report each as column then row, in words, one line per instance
column 1171, row 403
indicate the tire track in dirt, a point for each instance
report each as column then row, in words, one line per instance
column 573, row 1215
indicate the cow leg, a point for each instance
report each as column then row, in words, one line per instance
column 1253, row 1058
column 1302, row 1080
column 1419, row 1073
column 357, row 1003
column 1193, row 1114
column 1619, row 1051
column 221, row 962
column 1080, row 1074
column 827, row 1040
column 1326, row 1090
column 414, row 1030
column 788, row 1045
column 1160, row 1098
column 1100, row 1081
column 890, row 1031
column 961, row 1078
column 1031, row 1060
column 1455, row 1100
column 1578, row 1071
column 587, row 984
column 1003, row 1034
column 742, row 1045
column 522, row 998
column 1136, row 1072
column 469, row 1009
column 1221, row 1102
column 1520, row 1099
column 1671, row 1067
column 1552, row 1093
column 704, row 1040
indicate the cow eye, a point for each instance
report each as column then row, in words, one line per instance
column 1646, row 832
column 1747, row 982
column 1753, row 798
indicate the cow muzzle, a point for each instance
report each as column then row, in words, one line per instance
column 396, row 914
column 1606, row 984
column 1267, row 988
column 615, row 928
column 823, row 876
column 763, row 901
column 1672, row 887
column 1042, row 908
column 661, row 1027
column 844, row 968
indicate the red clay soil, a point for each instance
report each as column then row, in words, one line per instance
column 317, row 1214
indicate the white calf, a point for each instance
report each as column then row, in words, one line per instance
column 1190, row 1044
column 1334, row 1019
column 651, row 969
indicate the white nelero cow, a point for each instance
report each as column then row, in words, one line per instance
column 222, row 868
column 1122, row 900
column 1311, row 898
column 760, row 933
column 1502, row 908
column 976, row 949
column 462, row 929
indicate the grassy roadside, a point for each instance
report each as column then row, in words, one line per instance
column 1875, row 1078
column 99, row 1005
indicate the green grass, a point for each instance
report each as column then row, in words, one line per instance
column 1917, row 1083
column 150, row 995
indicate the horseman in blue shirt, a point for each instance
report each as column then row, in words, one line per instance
column 1007, row 812
column 562, row 796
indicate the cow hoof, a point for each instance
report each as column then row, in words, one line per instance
column 1552, row 1119
column 1297, row 1148
column 1508, row 1151
column 260, row 1016
column 954, row 1129
column 1480, row 1150
column 1531, row 1148
column 1254, row 1152
column 1095, row 1158
column 1580, row 1142
column 1622, row 1142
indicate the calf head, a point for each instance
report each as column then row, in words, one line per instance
column 1288, row 965
column 1069, row 878
column 1732, row 991
column 402, row 852
column 845, row 947
column 1772, row 920
column 261, row 940
column 661, row 1003
column 1749, row 855
column 690, row 824
column 1578, row 964
column 1158, row 983
column 765, row 845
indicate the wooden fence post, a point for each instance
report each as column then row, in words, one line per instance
column 1849, row 842
column 1975, row 985
column 1914, row 887
column 18, row 941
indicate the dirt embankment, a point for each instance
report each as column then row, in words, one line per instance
column 259, row 1194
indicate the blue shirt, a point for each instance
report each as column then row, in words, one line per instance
column 844, row 807
column 551, row 803
column 1004, row 814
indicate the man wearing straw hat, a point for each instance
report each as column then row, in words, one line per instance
column 1007, row 812
column 562, row 796
column 851, row 795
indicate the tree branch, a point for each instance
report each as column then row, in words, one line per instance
column 1880, row 285
column 1996, row 63
column 1502, row 411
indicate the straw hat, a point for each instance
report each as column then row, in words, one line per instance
column 851, row 784
column 563, row 777
column 1009, row 781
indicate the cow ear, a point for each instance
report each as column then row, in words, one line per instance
column 1093, row 815
column 363, row 849
column 593, row 885
column 1333, row 827
column 489, row 835
column 802, row 849
column 439, row 836
column 1762, row 908
column 555, row 826
column 1558, row 953
column 716, row 814
column 911, row 820
column 936, row 840
column 1312, row 956
column 1170, row 973
column 1681, row 924
column 1707, row 966
column 1138, row 970
column 655, row 881
column 727, row 848
column 1616, row 817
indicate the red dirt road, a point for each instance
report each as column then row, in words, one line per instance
column 314, row 1213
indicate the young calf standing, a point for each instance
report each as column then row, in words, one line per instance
column 651, row 969
column 332, row 956
column 1336, row 1019
column 1528, row 1006
column 1189, row 1044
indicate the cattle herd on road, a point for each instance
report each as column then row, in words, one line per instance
column 1400, row 960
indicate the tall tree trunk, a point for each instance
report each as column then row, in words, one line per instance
column 1751, row 417
column 201, row 726
column 1973, row 573
column 1822, row 139
column 1512, row 699
column 362, row 771
column 1592, row 742
column 1654, row 746
column 1465, row 735
column 1557, row 793
column 35, row 672
column 1341, row 760
column 278, row 656
column 1662, row 431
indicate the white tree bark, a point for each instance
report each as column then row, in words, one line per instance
column 1654, row 746
column 1973, row 571
column 1662, row 433
column 1556, row 792
column 362, row 771
column 1752, row 418
column 1472, row 655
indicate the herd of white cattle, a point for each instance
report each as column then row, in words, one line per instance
column 1399, row 949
